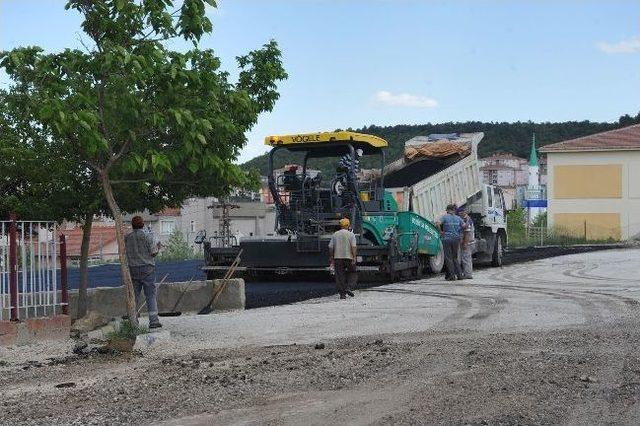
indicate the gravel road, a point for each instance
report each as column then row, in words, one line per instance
column 552, row 341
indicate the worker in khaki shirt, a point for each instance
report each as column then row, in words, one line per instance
column 342, row 257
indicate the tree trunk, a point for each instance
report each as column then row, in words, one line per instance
column 84, row 265
column 122, row 253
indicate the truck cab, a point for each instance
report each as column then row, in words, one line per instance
column 487, row 208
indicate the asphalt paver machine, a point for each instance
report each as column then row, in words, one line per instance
column 309, row 207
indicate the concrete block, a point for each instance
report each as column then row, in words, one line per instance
column 192, row 296
column 91, row 321
column 232, row 297
column 189, row 296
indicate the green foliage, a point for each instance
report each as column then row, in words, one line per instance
column 177, row 248
column 516, row 222
column 540, row 220
column 167, row 125
column 499, row 137
column 41, row 179
column 539, row 234
column 170, row 123
column 126, row 330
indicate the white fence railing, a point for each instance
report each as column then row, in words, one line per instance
column 30, row 277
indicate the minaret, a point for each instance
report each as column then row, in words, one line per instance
column 534, row 170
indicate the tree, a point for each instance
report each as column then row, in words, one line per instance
column 140, row 114
column 177, row 248
column 39, row 179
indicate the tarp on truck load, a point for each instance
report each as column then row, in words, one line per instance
column 424, row 157
column 438, row 149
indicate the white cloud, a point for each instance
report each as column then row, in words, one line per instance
column 404, row 100
column 630, row 45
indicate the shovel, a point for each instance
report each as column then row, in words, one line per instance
column 209, row 307
column 173, row 312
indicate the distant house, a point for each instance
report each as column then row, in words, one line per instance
column 102, row 245
column 251, row 218
column 594, row 184
column 511, row 174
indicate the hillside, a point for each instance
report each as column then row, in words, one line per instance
column 499, row 137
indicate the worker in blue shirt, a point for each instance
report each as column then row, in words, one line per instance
column 451, row 228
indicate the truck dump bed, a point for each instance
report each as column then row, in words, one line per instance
column 435, row 171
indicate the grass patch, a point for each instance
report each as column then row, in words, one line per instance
column 126, row 330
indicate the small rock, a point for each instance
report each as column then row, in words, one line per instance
column 587, row 379
column 378, row 342
column 66, row 385
column 89, row 322
column 319, row 346
column 80, row 348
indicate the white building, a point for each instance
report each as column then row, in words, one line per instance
column 506, row 171
column 594, row 185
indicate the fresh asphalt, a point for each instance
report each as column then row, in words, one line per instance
column 258, row 294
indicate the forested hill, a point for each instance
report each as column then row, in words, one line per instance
column 498, row 137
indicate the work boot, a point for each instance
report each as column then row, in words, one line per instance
column 343, row 296
column 155, row 325
column 350, row 293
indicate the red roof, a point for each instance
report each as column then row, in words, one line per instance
column 100, row 236
column 627, row 138
column 169, row 212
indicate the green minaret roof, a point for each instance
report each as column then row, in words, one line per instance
column 533, row 157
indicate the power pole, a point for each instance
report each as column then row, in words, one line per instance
column 224, row 222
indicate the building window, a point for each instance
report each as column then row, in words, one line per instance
column 192, row 226
column 492, row 177
column 167, row 227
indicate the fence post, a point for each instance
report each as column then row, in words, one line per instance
column 585, row 231
column 64, row 290
column 13, row 266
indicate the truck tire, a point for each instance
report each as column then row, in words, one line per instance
column 496, row 258
column 436, row 262
column 419, row 273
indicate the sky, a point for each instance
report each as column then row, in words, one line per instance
column 353, row 63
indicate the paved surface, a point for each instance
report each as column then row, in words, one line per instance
column 545, row 294
column 553, row 341
column 260, row 294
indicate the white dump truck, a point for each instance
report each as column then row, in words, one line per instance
column 442, row 169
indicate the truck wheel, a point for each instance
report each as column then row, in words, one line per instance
column 420, row 269
column 436, row 262
column 496, row 259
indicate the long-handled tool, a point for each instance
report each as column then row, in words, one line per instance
column 173, row 312
column 209, row 307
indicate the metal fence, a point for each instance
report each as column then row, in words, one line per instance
column 581, row 233
column 31, row 255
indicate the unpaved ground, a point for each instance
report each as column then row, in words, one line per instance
column 551, row 341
